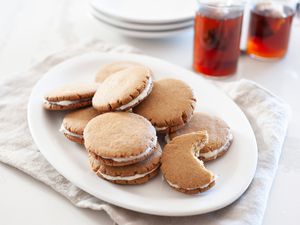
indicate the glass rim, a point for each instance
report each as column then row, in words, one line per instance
column 238, row 4
column 290, row 3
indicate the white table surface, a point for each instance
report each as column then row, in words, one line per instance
column 31, row 29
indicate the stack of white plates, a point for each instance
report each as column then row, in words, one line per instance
column 145, row 18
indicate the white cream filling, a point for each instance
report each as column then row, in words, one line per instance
column 130, row 158
column 134, row 177
column 164, row 128
column 224, row 147
column 167, row 138
column 139, row 98
column 65, row 131
column 160, row 128
column 66, row 102
column 190, row 189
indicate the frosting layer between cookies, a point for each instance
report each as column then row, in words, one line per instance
column 139, row 98
column 160, row 128
column 224, row 147
column 66, row 102
column 65, row 131
column 190, row 189
column 134, row 177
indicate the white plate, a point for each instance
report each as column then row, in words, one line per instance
column 235, row 169
column 148, row 11
column 140, row 26
column 143, row 34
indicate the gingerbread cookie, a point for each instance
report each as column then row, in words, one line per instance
column 70, row 96
column 137, row 173
column 180, row 166
column 74, row 123
column 219, row 133
column 169, row 106
column 120, row 138
column 123, row 90
column 112, row 68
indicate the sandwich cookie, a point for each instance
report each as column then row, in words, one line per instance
column 119, row 138
column 181, row 167
column 114, row 67
column 123, row 90
column 169, row 106
column 219, row 133
column 70, row 96
column 74, row 123
column 137, row 173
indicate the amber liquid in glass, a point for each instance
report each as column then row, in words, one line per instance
column 217, row 42
column 269, row 32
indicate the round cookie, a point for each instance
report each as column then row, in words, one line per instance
column 219, row 133
column 119, row 138
column 123, row 90
column 70, row 96
column 169, row 106
column 137, row 173
column 180, row 166
column 74, row 123
column 114, row 67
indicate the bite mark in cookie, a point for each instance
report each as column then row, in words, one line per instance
column 182, row 169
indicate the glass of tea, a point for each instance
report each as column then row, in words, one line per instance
column 269, row 28
column 217, row 37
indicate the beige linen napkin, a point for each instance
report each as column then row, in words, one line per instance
column 267, row 114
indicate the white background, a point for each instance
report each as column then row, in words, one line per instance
column 32, row 29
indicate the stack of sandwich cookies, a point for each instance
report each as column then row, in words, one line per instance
column 169, row 106
column 71, row 96
column 180, row 166
column 137, row 173
column 123, row 90
column 122, row 147
column 74, row 123
column 112, row 68
column 219, row 133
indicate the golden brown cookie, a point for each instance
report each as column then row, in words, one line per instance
column 108, row 69
column 169, row 106
column 137, row 173
column 74, row 123
column 180, row 166
column 123, row 90
column 120, row 138
column 219, row 133
column 70, row 96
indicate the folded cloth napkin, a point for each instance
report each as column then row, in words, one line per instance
column 267, row 114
